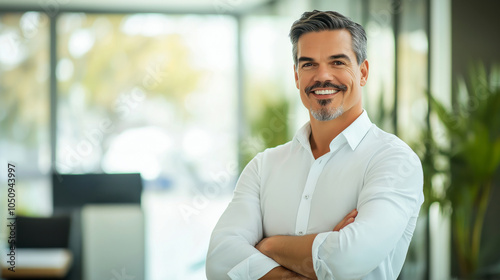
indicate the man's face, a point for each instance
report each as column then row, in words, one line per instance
column 328, row 75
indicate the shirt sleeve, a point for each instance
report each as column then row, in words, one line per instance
column 388, row 205
column 231, row 254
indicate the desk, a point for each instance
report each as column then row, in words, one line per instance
column 53, row 262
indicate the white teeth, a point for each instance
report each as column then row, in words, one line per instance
column 326, row 91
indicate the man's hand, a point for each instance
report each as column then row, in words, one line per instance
column 349, row 218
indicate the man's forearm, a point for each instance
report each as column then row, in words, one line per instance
column 295, row 252
column 281, row 273
column 292, row 252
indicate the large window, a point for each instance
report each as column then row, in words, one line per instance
column 412, row 85
column 148, row 93
column 145, row 92
column 378, row 96
column 24, row 108
column 154, row 94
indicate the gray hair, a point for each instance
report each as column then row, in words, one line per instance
column 316, row 21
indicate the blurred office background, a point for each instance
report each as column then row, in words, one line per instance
column 187, row 92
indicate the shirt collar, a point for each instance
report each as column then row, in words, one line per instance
column 303, row 134
column 353, row 134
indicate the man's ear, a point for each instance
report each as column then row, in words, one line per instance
column 364, row 68
column 296, row 76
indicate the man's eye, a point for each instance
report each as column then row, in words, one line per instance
column 338, row 62
column 306, row 65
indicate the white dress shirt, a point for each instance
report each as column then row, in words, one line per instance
column 285, row 191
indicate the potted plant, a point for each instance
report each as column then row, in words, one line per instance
column 473, row 130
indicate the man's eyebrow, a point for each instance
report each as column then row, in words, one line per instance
column 305, row 58
column 337, row 56
column 332, row 57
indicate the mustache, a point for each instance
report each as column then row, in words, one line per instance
column 324, row 85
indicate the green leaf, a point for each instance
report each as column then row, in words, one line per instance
column 453, row 123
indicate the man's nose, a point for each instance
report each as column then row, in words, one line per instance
column 323, row 74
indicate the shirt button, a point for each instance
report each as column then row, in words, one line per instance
column 306, row 196
column 301, row 233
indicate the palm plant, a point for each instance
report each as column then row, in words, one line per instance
column 473, row 128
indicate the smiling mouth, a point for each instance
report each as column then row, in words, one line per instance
column 325, row 91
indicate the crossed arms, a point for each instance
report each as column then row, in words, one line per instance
column 387, row 209
column 294, row 253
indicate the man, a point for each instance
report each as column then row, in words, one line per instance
column 339, row 201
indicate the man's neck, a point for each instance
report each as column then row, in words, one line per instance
column 323, row 132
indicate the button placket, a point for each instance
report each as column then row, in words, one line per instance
column 305, row 203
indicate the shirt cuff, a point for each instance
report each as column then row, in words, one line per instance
column 253, row 267
column 320, row 267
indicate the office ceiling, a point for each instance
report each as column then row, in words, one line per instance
column 197, row 6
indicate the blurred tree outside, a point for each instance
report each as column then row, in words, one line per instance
column 23, row 76
column 108, row 66
column 117, row 62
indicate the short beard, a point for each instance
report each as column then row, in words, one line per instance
column 327, row 114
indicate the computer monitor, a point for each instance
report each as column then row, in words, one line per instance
column 70, row 191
